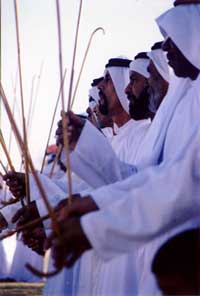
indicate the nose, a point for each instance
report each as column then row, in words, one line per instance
column 100, row 86
column 127, row 89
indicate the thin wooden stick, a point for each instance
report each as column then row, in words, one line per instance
column 24, row 227
column 36, row 96
column 21, row 144
column 74, row 57
column 52, row 122
column 52, row 215
column 3, row 167
column 6, row 152
column 30, row 104
column 83, row 62
column 64, row 120
column 59, row 150
column 13, row 112
column 25, row 146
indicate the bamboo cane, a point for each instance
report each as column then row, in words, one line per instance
column 64, row 121
column 24, row 227
column 25, row 146
column 3, row 167
column 59, row 150
column 31, row 103
column 6, row 152
column 35, row 97
column 21, row 144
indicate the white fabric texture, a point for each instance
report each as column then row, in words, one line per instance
column 129, row 140
column 182, row 25
column 96, row 277
column 140, row 66
column 153, row 205
column 94, row 93
column 159, row 59
column 120, row 79
column 177, row 204
column 22, row 256
column 154, row 140
column 3, row 262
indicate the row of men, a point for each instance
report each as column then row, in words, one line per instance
column 136, row 180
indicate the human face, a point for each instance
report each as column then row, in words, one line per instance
column 104, row 120
column 136, row 85
column 157, row 88
column 138, row 105
column 108, row 97
column 181, row 66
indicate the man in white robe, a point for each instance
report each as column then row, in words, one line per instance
column 178, row 150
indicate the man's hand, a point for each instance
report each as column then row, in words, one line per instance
column 34, row 239
column 26, row 214
column 34, row 236
column 79, row 206
column 75, row 125
column 73, row 242
column 16, row 183
column 70, row 246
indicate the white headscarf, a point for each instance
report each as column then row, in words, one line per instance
column 182, row 25
column 159, row 59
column 120, row 79
column 94, row 93
column 178, row 87
column 140, row 66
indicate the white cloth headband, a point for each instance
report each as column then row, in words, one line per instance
column 120, row 78
column 182, row 25
column 159, row 59
column 140, row 66
column 94, row 93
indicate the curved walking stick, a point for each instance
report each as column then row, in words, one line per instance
column 83, row 62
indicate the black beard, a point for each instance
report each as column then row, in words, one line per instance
column 138, row 107
column 103, row 106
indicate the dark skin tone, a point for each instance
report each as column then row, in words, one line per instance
column 75, row 126
column 74, row 242
column 157, row 85
column 137, row 95
column 34, row 237
column 176, row 284
column 181, row 66
column 109, row 102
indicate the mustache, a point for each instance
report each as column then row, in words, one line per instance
column 138, row 107
column 131, row 97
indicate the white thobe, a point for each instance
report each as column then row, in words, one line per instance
column 165, row 198
column 99, row 163
column 3, row 262
column 94, row 276
column 128, row 140
column 172, row 145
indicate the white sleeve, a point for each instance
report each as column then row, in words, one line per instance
column 167, row 197
column 9, row 211
column 94, row 160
